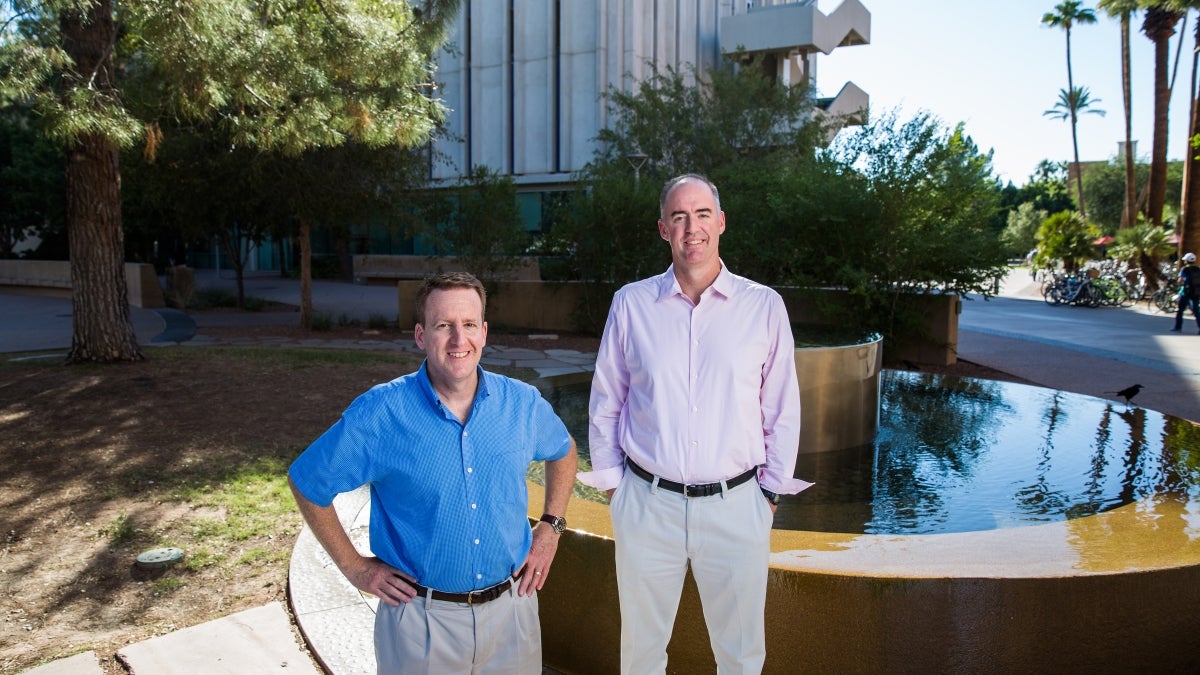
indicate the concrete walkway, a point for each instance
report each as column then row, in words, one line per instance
column 1088, row 351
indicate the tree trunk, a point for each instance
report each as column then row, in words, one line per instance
column 1129, row 213
column 1189, row 211
column 1159, row 26
column 306, row 308
column 102, row 330
column 1074, row 130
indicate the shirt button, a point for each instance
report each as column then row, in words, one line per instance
column 474, row 506
column 470, row 470
column 694, row 408
column 478, row 576
column 464, row 432
column 476, row 542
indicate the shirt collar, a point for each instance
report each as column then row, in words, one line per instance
column 481, row 390
column 723, row 285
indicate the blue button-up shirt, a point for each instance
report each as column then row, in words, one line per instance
column 449, row 502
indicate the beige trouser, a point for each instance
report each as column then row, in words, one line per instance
column 432, row 637
column 726, row 539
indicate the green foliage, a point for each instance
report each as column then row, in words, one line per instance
column 1144, row 246
column 31, row 181
column 1104, row 190
column 1071, row 104
column 687, row 122
column 477, row 220
column 1067, row 237
column 120, row 531
column 286, row 76
column 932, row 196
column 737, row 126
column 608, row 234
column 892, row 211
column 1021, row 233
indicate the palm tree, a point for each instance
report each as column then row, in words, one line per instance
column 1065, row 15
column 1159, row 25
column 1189, row 211
column 1125, row 9
column 1069, row 106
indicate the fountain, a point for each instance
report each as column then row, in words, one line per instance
column 984, row 527
column 990, row 527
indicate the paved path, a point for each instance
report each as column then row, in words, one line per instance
column 1088, row 351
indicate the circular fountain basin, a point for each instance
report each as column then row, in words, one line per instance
column 1110, row 585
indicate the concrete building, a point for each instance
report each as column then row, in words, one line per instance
column 526, row 78
column 525, row 82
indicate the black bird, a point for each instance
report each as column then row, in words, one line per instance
column 1128, row 392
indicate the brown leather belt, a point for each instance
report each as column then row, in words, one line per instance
column 694, row 490
column 472, row 598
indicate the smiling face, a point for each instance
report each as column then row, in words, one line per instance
column 692, row 222
column 453, row 334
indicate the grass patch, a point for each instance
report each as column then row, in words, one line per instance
column 253, row 497
column 120, row 531
column 220, row 298
column 167, row 585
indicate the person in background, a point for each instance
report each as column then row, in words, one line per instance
column 1189, row 291
column 445, row 451
column 694, row 431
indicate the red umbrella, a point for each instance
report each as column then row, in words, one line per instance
column 1104, row 241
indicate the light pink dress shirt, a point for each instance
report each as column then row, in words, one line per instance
column 696, row 393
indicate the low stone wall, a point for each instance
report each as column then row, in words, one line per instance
column 140, row 278
column 539, row 306
column 940, row 345
column 368, row 268
column 549, row 306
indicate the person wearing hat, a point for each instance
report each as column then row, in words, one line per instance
column 1189, row 291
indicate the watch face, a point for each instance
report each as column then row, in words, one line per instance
column 559, row 525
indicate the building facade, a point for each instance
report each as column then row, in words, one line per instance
column 525, row 79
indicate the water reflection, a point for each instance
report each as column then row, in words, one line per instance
column 963, row 454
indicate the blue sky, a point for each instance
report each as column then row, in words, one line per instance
column 995, row 68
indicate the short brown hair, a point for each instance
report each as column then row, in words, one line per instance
column 445, row 282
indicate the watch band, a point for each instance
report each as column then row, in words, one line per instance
column 771, row 496
column 557, row 522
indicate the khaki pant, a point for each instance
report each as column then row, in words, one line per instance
column 432, row 637
column 725, row 538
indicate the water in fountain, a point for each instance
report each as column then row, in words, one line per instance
column 962, row 454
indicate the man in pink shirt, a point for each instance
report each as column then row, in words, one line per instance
column 694, row 430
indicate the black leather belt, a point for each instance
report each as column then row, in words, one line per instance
column 472, row 598
column 695, row 490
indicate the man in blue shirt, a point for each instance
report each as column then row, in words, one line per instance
column 445, row 451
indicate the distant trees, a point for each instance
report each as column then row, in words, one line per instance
column 1065, row 236
column 287, row 77
column 1066, row 15
column 890, row 211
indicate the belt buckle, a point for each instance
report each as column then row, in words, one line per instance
column 688, row 491
column 470, row 598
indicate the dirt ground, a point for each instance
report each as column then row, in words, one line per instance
column 101, row 463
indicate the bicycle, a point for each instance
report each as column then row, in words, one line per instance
column 1166, row 298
